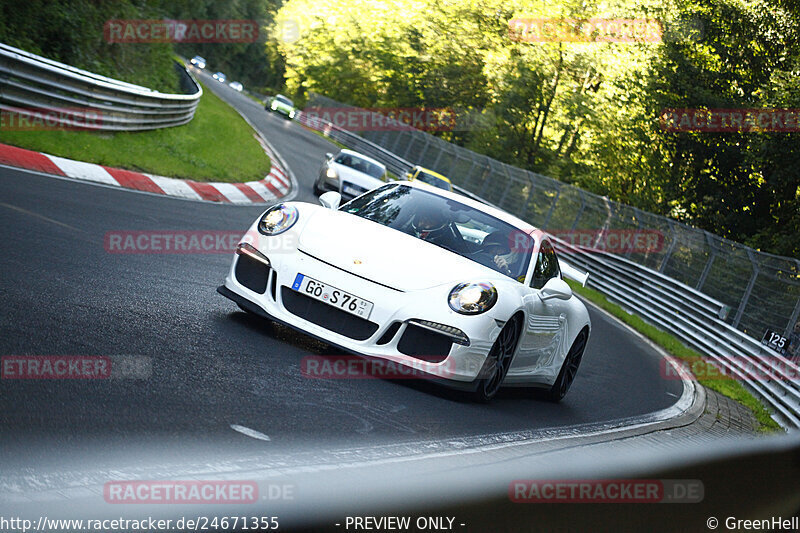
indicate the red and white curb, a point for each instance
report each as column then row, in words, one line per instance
column 275, row 186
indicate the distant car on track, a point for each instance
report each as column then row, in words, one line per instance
column 281, row 104
column 349, row 173
column 430, row 177
column 236, row 86
column 219, row 76
column 198, row 62
column 389, row 276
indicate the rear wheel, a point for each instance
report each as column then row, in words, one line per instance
column 569, row 369
column 498, row 361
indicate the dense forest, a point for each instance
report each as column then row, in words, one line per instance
column 71, row 31
column 583, row 112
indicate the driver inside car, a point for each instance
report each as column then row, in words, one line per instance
column 433, row 226
column 496, row 253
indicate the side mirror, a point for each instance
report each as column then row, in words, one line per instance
column 328, row 156
column 555, row 288
column 332, row 199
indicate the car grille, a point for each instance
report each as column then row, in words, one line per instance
column 424, row 344
column 251, row 273
column 327, row 316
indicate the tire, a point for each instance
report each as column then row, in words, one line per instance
column 498, row 361
column 569, row 369
column 317, row 189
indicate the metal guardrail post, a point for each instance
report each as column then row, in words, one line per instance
column 436, row 163
column 421, row 156
column 485, row 175
column 580, row 210
column 546, row 223
column 709, row 263
column 663, row 266
column 747, row 291
column 792, row 321
column 529, row 198
column 507, row 187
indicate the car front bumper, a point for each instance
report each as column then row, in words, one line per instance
column 392, row 328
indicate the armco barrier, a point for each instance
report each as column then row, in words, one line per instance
column 75, row 98
column 693, row 316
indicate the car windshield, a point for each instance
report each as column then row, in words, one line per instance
column 284, row 100
column 362, row 165
column 449, row 224
column 433, row 180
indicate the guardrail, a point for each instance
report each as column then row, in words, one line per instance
column 692, row 316
column 35, row 86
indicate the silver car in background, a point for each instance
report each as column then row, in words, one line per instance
column 350, row 174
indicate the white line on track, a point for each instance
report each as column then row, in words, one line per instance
column 249, row 432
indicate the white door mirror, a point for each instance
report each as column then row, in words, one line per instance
column 555, row 288
column 328, row 156
column 331, row 200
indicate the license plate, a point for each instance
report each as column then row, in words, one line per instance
column 351, row 190
column 332, row 296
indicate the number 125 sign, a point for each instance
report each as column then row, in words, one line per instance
column 777, row 342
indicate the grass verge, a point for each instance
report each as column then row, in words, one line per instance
column 217, row 145
column 727, row 387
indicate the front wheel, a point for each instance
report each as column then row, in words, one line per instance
column 498, row 361
column 569, row 369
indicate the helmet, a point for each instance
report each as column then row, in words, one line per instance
column 427, row 220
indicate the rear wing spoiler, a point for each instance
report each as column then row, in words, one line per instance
column 569, row 271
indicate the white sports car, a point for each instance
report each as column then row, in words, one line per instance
column 392, row 275
column 350, row 173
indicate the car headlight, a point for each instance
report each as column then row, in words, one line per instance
column 331, row 173
column 277, row 219
column 472, row 298
column 274, row 106
column 291, row 113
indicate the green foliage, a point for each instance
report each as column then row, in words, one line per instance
column 585, row 113
column 71, row 31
